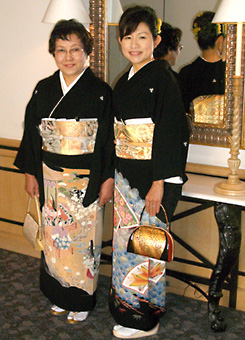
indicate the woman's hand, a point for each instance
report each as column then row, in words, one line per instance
column 106, row 191
column 31, row 187
column 154, row 198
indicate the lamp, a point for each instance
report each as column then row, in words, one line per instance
column 114, row 12
column 233, row 12
column 66, row 9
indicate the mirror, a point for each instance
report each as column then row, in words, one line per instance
column 212, row 118
column 216, row 130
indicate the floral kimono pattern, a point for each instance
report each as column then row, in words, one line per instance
column 138, row 282
column 73, row 233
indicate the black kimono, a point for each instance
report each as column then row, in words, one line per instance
column 201, row 78
column 151, row 102
column 89, row 98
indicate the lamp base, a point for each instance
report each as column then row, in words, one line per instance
column 228, row 188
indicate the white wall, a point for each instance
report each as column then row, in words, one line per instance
column 24, row 59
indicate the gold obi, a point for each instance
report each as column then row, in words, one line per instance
column 209, row 110
column 68, row 137
column 133, row 141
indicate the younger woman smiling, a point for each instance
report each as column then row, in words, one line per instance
column 149, row 171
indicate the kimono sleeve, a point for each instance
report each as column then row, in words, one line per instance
column 109, row 147
column 106, row 138
column 167, row 155
column 185, row 84
column 25, row 159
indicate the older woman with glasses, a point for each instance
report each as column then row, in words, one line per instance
column 67, row 155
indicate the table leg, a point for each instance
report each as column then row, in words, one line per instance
column 228, row 218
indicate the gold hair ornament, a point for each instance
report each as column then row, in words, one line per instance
column 195, row 30
column 159, row 24
column 219, row 29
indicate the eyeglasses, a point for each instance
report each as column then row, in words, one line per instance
column 74, row 52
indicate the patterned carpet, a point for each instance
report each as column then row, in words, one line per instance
column 25, row 312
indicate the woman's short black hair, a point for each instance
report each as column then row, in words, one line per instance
column 206, row 33
column 133, row 16
column 64, row 28
column 171, row 37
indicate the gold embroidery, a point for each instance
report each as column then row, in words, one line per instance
column 68, row 137
column 209, row 110
column 133, row 141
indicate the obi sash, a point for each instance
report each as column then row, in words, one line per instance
column 133, row 138
column 68, row 136
column 209, row 109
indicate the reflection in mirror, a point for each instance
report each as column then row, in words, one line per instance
column 220, row 134
column 203, row 80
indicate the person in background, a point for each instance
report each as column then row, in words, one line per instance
column 67, row 155
column 168, row 51
column 148, row 136
column 206, row 74
column 169, row 47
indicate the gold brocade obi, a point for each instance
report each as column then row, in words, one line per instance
column 134, row 141
column 209, row 110
column 68, row 136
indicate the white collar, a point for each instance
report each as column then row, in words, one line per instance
column 132, row 73
column 211, row 62
column 66, row 88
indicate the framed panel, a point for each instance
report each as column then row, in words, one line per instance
column 215, row 129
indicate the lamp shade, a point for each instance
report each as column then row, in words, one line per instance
column 66, row 9
column 114, row 12
column 230, row 11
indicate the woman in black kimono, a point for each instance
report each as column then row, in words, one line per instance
column 206, row 74
column 149, row 172
column 67, row 156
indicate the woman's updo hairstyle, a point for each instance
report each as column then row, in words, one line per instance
column 133, row 16
column 206, row 33
column 171, row 37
